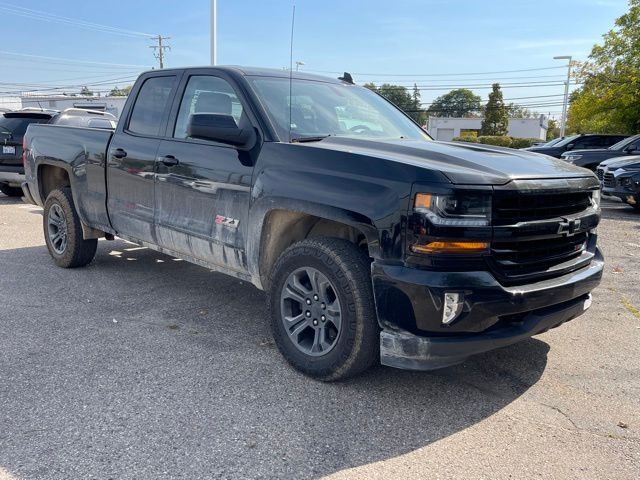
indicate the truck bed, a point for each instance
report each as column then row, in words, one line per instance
column 81, row 152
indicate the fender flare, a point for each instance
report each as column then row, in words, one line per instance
column 264, row 206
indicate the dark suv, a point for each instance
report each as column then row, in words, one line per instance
column 13, row 126
column 578, row 142
column 592, row 158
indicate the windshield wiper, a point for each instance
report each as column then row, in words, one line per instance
column 316, row 138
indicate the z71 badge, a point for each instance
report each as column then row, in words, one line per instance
column 227, row 222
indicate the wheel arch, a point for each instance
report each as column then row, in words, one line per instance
column 280, row 223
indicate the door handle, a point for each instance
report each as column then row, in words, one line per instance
column 169, row 160
column 119, row 153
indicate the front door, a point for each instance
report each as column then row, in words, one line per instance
column 203, row 187
column 132, row 160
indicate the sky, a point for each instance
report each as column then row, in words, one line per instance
column 436, row 44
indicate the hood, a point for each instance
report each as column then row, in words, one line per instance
column 461, row 163
column 543, row 149
column 627, row 162
column 618, row 162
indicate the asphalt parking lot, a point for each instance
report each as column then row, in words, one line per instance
column 142, row 366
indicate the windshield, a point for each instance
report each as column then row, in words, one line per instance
column 319, row 109
column 552, row 142
column 566, row 141
column 17, row 126
column 623, row 143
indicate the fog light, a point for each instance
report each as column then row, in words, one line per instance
column 453, row 303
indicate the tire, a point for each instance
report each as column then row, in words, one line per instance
column 10, row 191
column 344, row 343
column 68, row 249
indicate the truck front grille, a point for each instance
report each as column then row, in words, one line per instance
column 600, row 173
column 541, row 235
column 524, row 259
column 609, row 180
column 512, row 209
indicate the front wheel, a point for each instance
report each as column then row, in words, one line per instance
column 63, row 231
column 322, row 310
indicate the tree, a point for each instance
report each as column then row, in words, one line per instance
column 401, row 98
column 518, row 111
column 553, row 130
column 496, row 114
column 418, row 115
column 120, row 92
column 609, row 99
column 460, row 102
column 85, row 92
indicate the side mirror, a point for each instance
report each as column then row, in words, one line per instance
column 220, row 128
column 570, row 146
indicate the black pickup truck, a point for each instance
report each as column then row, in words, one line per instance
column 372, row 241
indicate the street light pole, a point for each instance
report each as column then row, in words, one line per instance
column 214, row 48
column 566, row 93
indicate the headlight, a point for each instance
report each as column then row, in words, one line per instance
column 595, row 199
column 468, row 209
column 572, row 158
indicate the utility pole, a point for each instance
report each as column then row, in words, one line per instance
column 214, row 47
column 158, row 50
column 566, row 93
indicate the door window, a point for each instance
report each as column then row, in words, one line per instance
column 207, row 94
column 148, row 111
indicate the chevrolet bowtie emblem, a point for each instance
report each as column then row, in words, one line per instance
column 568, row 227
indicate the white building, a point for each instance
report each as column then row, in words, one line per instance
column 10, row 103
column 446, row 128
column 113, row 105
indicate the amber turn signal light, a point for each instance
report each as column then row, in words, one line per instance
column 451, row 247
column 423, row 200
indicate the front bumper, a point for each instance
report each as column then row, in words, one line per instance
column 405, row 350
column 627, row 195
column 409, row 304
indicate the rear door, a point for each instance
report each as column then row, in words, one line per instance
column 132, row 158
column 203, row 187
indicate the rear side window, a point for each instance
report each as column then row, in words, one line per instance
column 17, row 126
column 148, row 111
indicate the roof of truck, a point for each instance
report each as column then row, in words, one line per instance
column 259, row 72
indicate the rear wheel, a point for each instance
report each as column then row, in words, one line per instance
column 10, row 191
column 63, row 231
column 322, row 310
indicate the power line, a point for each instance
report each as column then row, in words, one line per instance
column 409, row 83
column 55, row 18
column 440, row 74
column 479, row 85
column 158, row 50
column 512, row 98
column 68, row 61
column 111, row 81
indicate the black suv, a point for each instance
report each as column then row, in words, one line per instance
column 592, row 158
column 576, row 142
column 13, row 126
